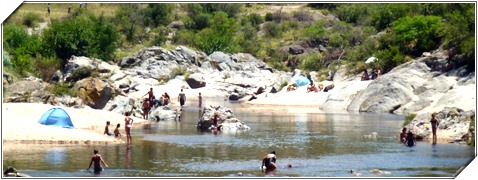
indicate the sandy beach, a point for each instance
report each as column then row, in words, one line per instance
column 20, row 125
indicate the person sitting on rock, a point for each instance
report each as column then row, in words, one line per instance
column 215, row 119
column 365, row 76
column 291, row 87
column 166, row 99
column 311, row 87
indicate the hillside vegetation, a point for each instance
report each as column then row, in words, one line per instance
column 327, row 35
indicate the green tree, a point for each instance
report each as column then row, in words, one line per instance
column 157, row 14
column 83, row 35
column 218, row 37
column 128, row 19
column 458, row 32
column 417, row 34
column 21, row 46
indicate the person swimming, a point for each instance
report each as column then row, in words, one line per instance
column 269, row 161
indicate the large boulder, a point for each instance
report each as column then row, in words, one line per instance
column 163, row 113
column 342, row 95
column 81, row 63
column 414, row 87
column 228, row 122
column 454, row 124
column 196, row 81
column 95, row 92
column 120, row 104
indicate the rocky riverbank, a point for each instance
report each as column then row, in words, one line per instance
column 419, row 86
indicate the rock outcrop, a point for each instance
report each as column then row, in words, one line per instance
column 95, row 92
column 454, row 125
column 228, row 122
column 414, row 87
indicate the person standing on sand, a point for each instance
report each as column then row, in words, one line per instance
column 97, row 159
column 435, row 123
column 200, row 100
column 182, row 98
column 128, row 124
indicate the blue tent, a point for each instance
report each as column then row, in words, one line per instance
column 56, row 117
column 300, row 80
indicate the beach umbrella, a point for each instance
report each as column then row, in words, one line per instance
column 371, row 59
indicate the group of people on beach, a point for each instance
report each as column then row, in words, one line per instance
column 408, row 138
column 164, row 100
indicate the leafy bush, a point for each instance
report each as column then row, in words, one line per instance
column 279, row 16
column 219, row 37
column 316, row 30
column 202, row 21
column 84, row 35
column 128, row 19
column 336, row 40
column 248, row 40
column 255, row 19
column 390, row 58
column 160, row 36
column 157, row 14
column 272, row 30
column 350, row 12
column 62, row 89
column 231, row 9
column 312, row 62
column 184, row 37
column 289, row 25
column 268, row 16
column 408, row 119
column 31, row 19
column 6, row 59
column 21, row 46
column 417, row 34
column 302, row 16
column 46, row 67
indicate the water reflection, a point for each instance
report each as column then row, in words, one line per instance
column 315, row 144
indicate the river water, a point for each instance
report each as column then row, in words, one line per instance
column 315, row 143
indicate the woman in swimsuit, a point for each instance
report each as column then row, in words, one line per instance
column 128, row 123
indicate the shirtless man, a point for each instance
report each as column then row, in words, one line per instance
column 269, row 161
column 150, row 95
column 97, row 159
column 182, row 98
